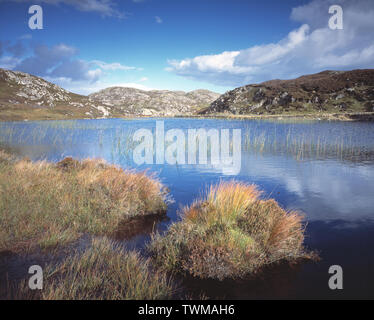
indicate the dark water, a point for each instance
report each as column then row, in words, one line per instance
column 324, row 169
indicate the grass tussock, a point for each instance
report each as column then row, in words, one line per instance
column 46, row 205
column 230, row 233
column 102, row 272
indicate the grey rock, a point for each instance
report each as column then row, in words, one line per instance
column 155, row 102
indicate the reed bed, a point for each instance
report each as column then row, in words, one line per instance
column 304, row 146
column 311, row 141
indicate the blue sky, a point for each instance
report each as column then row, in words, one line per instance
column 218, row 45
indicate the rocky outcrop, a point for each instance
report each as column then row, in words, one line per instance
column 24, row 96
column 155, row 102
column 328, row 91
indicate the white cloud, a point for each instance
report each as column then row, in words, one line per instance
column 112, row 66
column 158, row 19
column 59, row 64
column 26, row 36
column 106, row 8
column 88, row 88
column 133, row 85
column 310, row 48
column 56, row 61
column 8, row 62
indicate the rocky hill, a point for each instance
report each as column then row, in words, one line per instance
column 23, row 96
column 155, row 102
column 328, row 91
column 26, row 97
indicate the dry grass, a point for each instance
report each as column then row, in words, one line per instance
column 102, row 272
column 230, row 233
column 46, row 205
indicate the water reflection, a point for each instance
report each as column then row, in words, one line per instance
column 324, row 169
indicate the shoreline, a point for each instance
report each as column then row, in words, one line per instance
column 349, row 116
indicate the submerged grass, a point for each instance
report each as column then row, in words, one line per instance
column 230, row 233
column 102, row 272
column 45, row 205
column 304, row 146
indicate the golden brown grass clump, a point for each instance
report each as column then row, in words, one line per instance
column 46, row 205
column 104, row 271
column 230, row 233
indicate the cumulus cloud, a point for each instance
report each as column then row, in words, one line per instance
column 26, row 36
column 106, row 8
column 76, row 70
column 131, row 85
column 312, row 47
column 58, row 64
column 87, row 88
column 17, row 50
column 8, row 62
column 44, row 59
column 113, row 66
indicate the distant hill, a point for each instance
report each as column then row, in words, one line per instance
column 155, row 102
column 328, row 91
column 24, row 96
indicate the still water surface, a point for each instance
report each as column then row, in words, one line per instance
column 324, row 169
